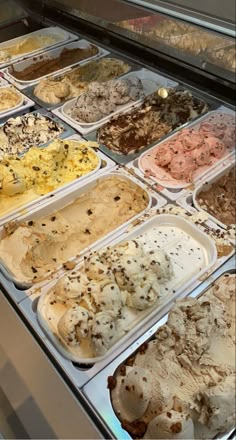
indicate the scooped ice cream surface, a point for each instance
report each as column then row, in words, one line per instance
column 193, row 355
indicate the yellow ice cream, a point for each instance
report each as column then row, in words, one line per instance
column 9, row 98
column 27, row 45
column 42, row 170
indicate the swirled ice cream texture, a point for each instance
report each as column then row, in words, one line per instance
column 18, row 134
column 36, row 248
column 181, row 385
column 119, row 286
column 42, row 170
column 102, row 99
column 73, row 83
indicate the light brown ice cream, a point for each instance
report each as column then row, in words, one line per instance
column 73, row 83
column 9, row 98
column 182, row 383
column 36, row 248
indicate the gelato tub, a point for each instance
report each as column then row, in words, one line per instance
column 18, row 134
column 132, row 131
column 181, row 383
column 40, row 172
column 49, row 236
column 217, row 197
column 192, row 152
column 31, row 43
column 10, row 99
column 119, row 287
column 38, row 67
column 57, row 89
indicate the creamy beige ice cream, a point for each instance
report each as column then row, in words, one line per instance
column 71, row 84
column 38, row 246
column 181, row 384
column 103, row 99
column 119, row 286
column 42, row 170
column 130, row 132
column 9, row 98
column 219, row 199
column 33, row 129
column 26, row 45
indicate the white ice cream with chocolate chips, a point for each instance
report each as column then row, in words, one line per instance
column 121, row 284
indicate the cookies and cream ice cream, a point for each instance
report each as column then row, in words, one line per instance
column 181, row 384
column 102, row 99
column 130, row 132
column 120, row 285
column 38, row 246
column 71, row 84
column 9, row 98
column 182, row 158
column 42, row 170
column 219, row 199
column 33, row 129
column 26, row 45
column 49, row 65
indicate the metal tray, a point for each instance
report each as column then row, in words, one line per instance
column 29, row 91
column 151, row 82
column 60, row 34
column 140, row 318
column 51, row 54
column 124, row 159
column 58, row 202
column 214, row 117
column 96, row 390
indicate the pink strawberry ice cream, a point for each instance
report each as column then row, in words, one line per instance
column 192, row 140
column 182, row 167
column 164, row 155
column 191, row 152
column 208, row 129
column 202, row 155
column 216, row 146
column 229, row 137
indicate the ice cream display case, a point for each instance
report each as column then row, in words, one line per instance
column 117, row 219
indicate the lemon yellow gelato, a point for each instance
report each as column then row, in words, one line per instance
column 27, row 45
column 42, row 170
